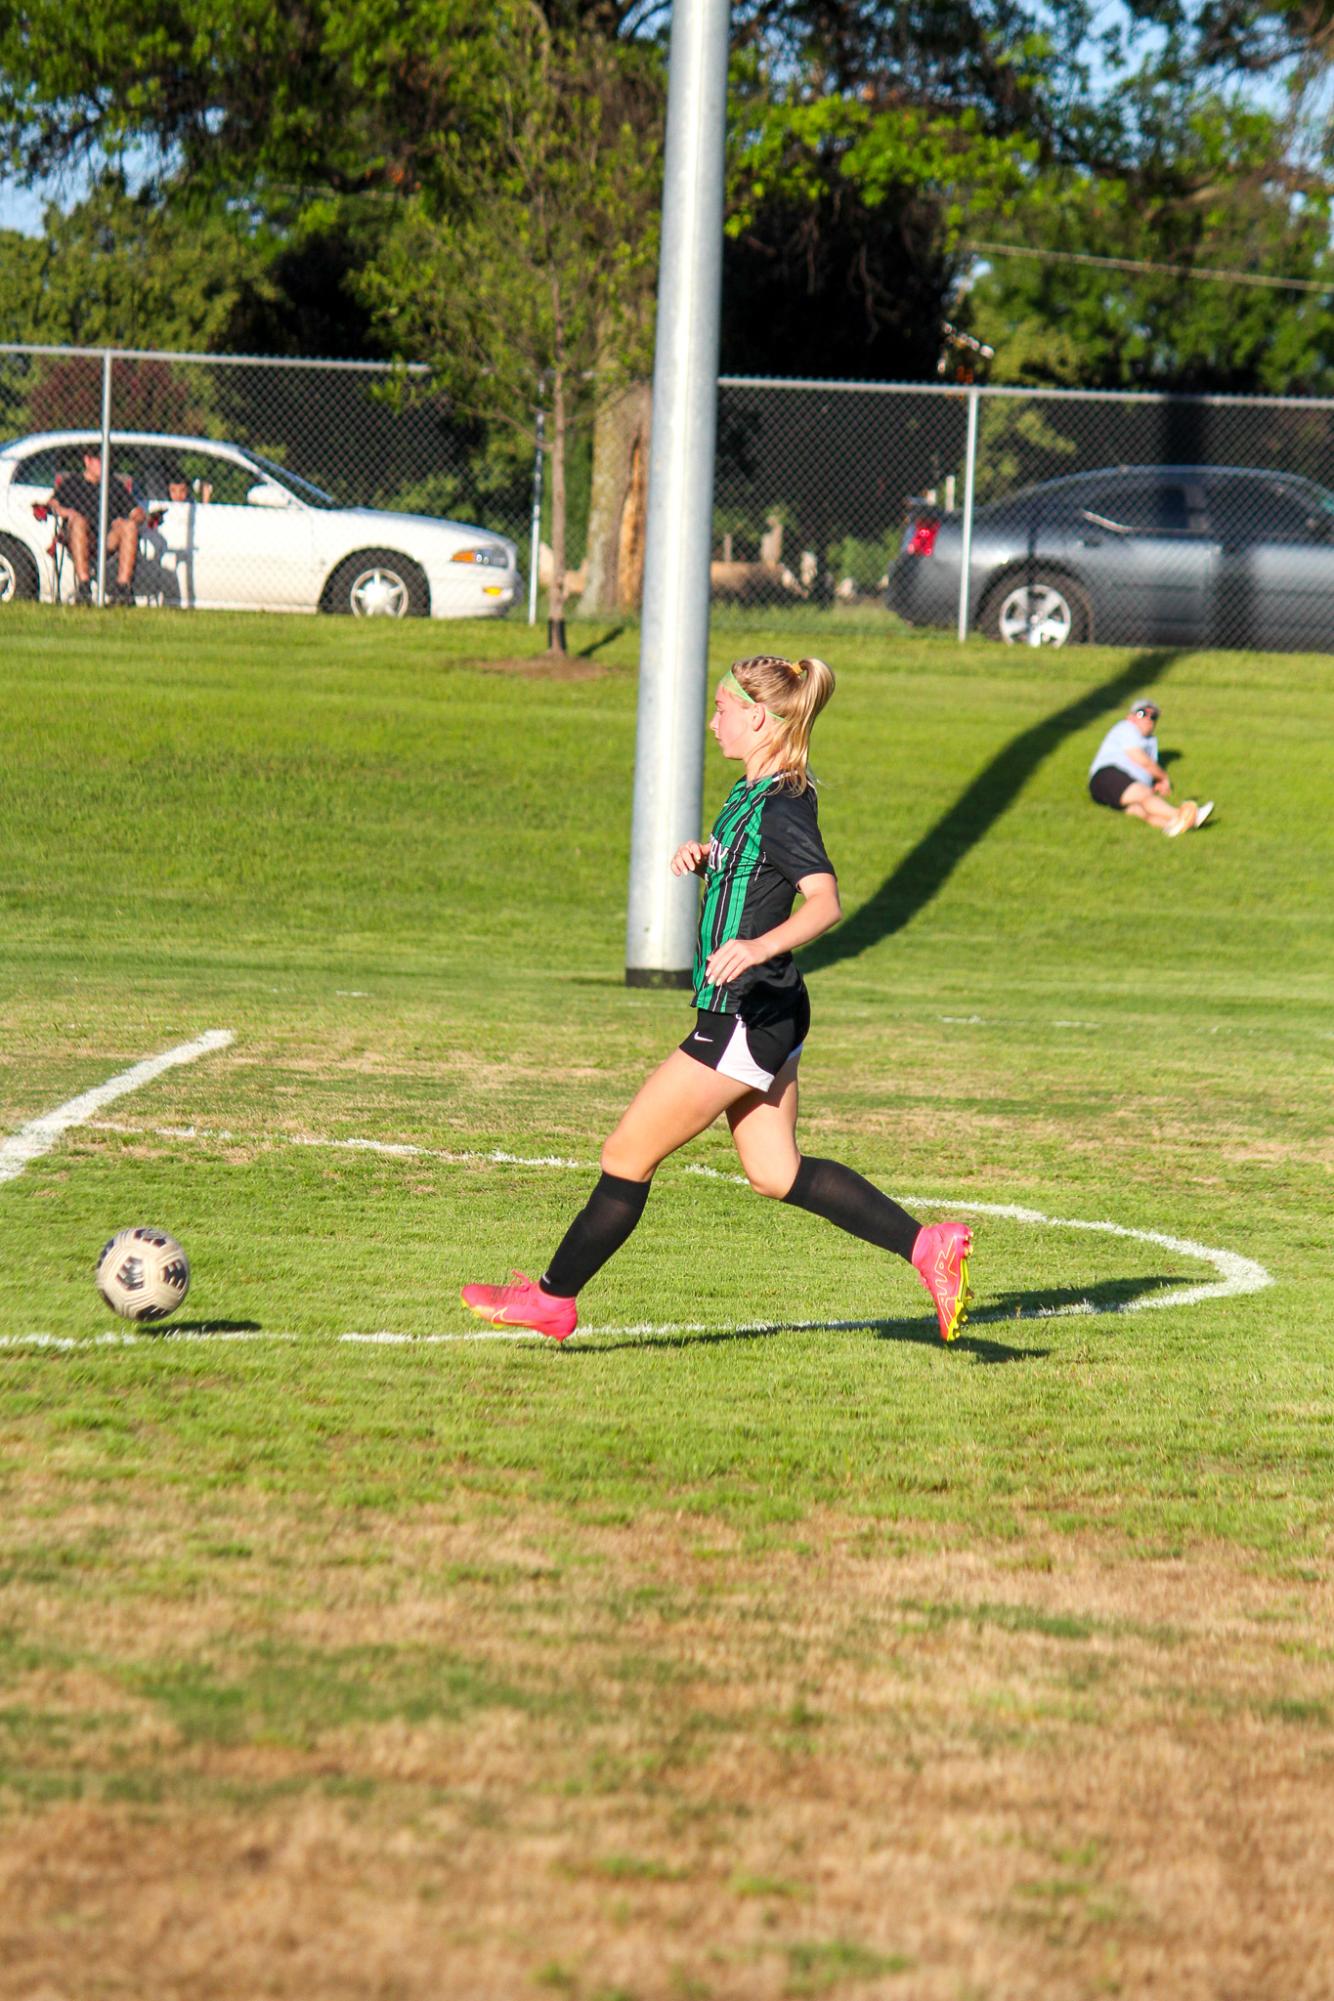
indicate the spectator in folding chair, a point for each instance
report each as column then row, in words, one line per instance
column 78, row 502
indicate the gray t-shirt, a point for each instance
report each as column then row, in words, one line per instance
column 1121, row 738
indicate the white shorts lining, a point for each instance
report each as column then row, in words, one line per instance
column 738, row 1062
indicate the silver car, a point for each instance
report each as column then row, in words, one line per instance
column 1133, row 555
column 228, row 529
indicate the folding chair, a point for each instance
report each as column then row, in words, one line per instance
column 58, row 547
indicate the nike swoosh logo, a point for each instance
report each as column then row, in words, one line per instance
column 697, row 1037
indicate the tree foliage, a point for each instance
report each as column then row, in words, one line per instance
column 1196, row 181
column 520, row 273
column 870, row 149
column 129, row 271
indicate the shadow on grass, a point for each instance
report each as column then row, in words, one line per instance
column 927, row 867
column 596, row 645
column 918, row 1330
column 1115, row 1295
column 203, row 1327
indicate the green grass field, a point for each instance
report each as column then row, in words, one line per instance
column 754, row 1644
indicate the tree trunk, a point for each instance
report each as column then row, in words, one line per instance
column 556, row 595
column 619, row 502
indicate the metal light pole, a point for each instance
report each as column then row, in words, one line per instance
column 104, row 495
column 673, row 647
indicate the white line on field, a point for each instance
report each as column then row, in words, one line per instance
column 30, row 1142
column 1236, row 1274
column 395, row 1149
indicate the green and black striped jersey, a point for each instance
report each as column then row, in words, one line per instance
column 764, row 842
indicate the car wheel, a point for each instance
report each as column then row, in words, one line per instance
column 18, row 572
column 377, row 583
column 1039, row 610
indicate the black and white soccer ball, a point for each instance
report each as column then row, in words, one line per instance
column 142, row 1274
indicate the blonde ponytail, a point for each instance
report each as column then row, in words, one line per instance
column 794, row 692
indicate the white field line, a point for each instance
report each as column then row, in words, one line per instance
column 30, row 1142
column 1236, row 1274
column 395, row 1149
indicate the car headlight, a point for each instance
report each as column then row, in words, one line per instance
column 489, row 555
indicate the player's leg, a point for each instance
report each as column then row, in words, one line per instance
column 764, row 1132
column 679, row 1101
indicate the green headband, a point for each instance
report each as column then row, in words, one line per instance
column 734, row 687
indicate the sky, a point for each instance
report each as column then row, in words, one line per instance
column 20, row 210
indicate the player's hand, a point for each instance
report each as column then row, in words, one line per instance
column 731, row 960
column 689, row 858
column 1162, row 786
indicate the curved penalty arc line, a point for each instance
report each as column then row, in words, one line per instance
column 1237, row 1275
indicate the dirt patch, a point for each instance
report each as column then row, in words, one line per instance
column 859, row 1760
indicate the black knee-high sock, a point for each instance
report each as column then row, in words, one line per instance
column 597, row 1232
column 833, row 1191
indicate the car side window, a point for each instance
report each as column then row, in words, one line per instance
column 1157, row 507
column 38, row 469
column 213, row 480
column 1246, row 511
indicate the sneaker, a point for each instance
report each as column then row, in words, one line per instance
column 83, row 591
column 940, row 1256
column 121, row 594
column 1184, row 821
column 522, row 1305
column 1204, row 812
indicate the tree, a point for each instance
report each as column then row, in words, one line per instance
column 520, row 273
column 1193, row 182
column 129, row 271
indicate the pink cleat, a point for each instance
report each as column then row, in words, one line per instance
column 522, row 1305
column 940, row 1256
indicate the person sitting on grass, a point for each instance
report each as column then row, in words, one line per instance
column 1125, row 774
column 740, row 1059
column 78, row 501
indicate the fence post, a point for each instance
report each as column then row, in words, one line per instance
column 969, row 476
column 103, row 495
column 535, row 540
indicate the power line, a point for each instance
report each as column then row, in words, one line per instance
column 1144, row 265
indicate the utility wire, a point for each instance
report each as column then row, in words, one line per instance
column 1143, row 265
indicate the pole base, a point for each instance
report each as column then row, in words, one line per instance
column 658, row 976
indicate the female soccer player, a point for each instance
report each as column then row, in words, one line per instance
column 753, row 1015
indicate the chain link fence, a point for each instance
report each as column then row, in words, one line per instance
column 253, row 484
column 1041, row 517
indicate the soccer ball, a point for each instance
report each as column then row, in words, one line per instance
column 142, row 1274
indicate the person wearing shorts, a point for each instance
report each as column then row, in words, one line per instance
column 740, row 1059
column 78, row 501
column 1125, row 774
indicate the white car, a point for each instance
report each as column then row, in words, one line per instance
column 229, row 530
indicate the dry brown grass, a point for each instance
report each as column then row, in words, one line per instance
column 843, row 1763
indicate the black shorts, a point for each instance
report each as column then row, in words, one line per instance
column 753, row 1053
column 1107, row 785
